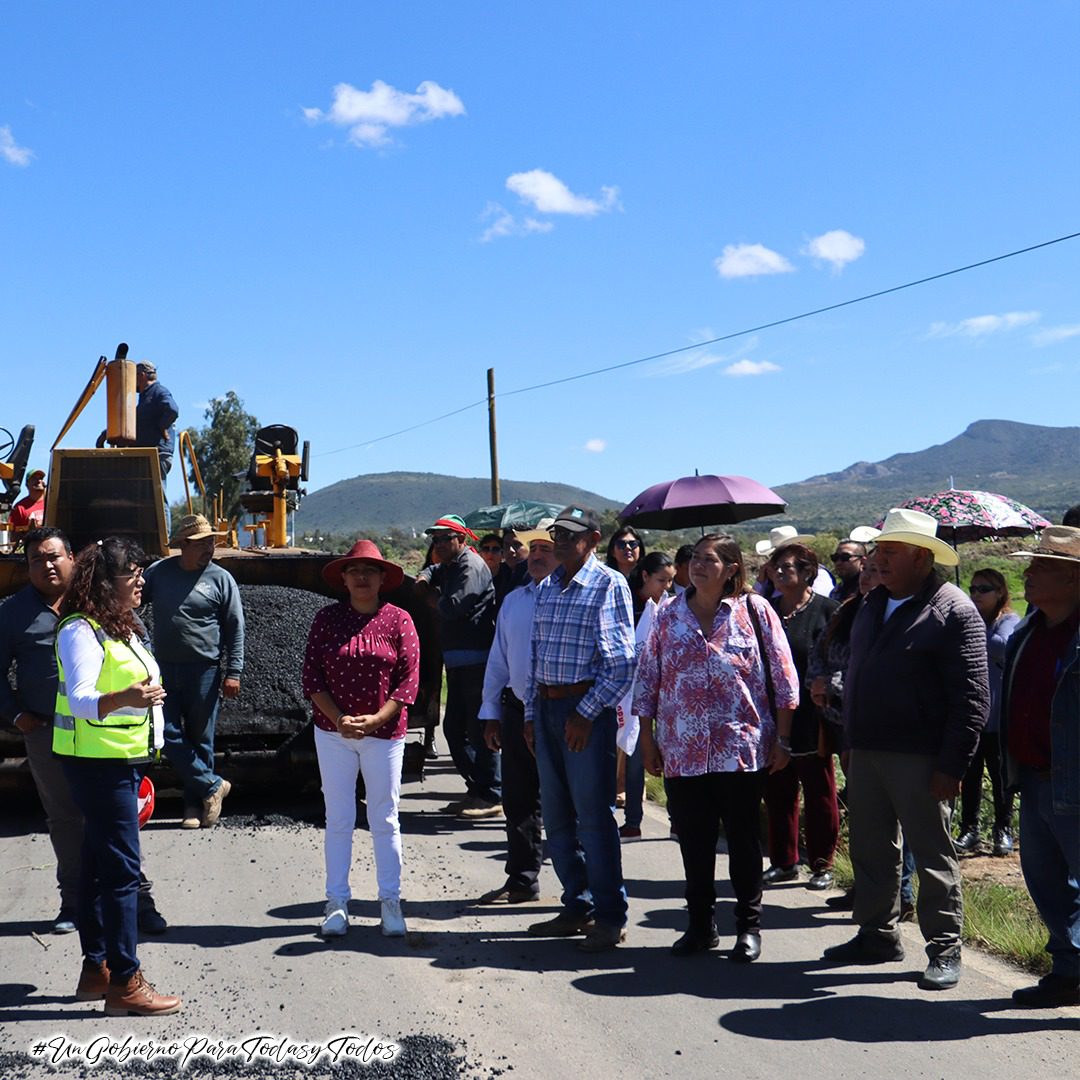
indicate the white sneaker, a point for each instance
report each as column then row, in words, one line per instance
column 393, row 925
column 335, row 918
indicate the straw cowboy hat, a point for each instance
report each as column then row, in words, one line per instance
column 1056, row 542
column 363, row 551
column 529, row 536
column 193, row 527
column 863, row 534
column 914, row 527
column 780, row 537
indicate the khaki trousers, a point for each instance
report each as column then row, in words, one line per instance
column 888, row 792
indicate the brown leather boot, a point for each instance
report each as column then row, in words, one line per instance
column 93, row 981
column 136, row 997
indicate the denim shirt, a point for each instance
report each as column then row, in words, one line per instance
column 1064, row 723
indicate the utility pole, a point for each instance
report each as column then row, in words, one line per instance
column 492, row 440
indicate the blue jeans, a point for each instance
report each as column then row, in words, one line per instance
column 577, row 798
column 907, row 872
column 192, row 697
column 635, row 787
column 479, row 767
column 1050, row 859
column 107, row 794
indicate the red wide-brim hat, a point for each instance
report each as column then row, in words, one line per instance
column 367, row 551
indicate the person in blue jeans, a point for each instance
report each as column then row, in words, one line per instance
column 581, row 666
column 1040, row 741
column 199, row 643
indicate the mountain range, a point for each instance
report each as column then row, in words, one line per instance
column 1034, row 464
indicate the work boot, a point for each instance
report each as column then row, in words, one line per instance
column 480, row 810
column 192, row 818
column 602, row 936
column 212, row 805
column 565, row 924
column 136, row 997
column 93, row 981
column 150, row 920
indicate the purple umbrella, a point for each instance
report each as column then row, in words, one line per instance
column 701, row 500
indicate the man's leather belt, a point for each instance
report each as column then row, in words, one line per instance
column 556, row 693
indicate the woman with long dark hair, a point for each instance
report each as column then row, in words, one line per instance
column 804, row 615
column 715, row 694
column 625, row 550
column 990, row 594
column 108, row 724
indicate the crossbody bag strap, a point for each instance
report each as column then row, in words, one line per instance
column 770, row 690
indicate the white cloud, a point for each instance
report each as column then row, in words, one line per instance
column 743, row 368
column 546, row 193
column 695, row 360
column 503, row 223
column 370, row 114
column 596, row 446
column 981, row 325
column 838, row 247
column 750, row 260
column 1053, row 334
column 11, row 151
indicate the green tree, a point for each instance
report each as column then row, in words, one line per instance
column 223, row 448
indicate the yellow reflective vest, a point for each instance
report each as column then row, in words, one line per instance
column 125, row 734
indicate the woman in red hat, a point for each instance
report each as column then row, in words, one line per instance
column 361, row 671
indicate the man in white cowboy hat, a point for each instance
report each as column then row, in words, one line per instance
column 780, row 537
column 916, row 697
column 1040, row 731
column 199, row 643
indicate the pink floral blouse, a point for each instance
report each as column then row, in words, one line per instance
column 708, row 696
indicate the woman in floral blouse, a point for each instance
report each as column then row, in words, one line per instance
column 361, row 671
column 706, row 723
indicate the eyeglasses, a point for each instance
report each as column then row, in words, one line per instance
column 627, row 545
column 131, row 575
column 981, row 590
column 494, row 549
column 844, row 556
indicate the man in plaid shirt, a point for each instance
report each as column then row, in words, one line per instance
column 581, row 666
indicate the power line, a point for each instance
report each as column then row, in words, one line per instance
column 712, row 341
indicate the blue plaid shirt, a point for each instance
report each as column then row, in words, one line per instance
column 585, row 631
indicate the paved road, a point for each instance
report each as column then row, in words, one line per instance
column 241, row 950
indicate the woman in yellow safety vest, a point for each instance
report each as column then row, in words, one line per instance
column 106, row 726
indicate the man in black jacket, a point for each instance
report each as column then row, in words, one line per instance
column 466, row 609
column 916, row 697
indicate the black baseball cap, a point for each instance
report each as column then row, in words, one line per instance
column 577, row 519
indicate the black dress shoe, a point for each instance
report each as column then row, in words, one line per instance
column 696, row 941
column 747, row 947
column 151, row 921
column 1050, row 992
column 1003, row 842
column 775, row 874
column 967, row 842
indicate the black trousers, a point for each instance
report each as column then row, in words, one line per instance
column 988, row 756
column 521, row 800
column 698, row 805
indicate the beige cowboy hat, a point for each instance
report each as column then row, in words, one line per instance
column 863, row 534
column 192, row 527
column 780, row 537
column 1056, row 542
column 903, row 526
column 529, row 537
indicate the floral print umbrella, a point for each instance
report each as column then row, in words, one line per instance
column 963, row 516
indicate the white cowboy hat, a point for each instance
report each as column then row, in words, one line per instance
column 863, row 534
column 780, row 537
column 914, row 527
column 1056, row 542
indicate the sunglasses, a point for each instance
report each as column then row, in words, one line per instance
column 627, row 545
column 441, row 538
column 492, row 548
column 981, row 590
column 844, row 556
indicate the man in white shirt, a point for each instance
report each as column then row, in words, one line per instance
column 503, row 711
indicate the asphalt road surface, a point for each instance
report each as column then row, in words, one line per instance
column 243, row 902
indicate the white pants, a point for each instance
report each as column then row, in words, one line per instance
column 380, row 762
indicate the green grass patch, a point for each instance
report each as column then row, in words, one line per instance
column 654, row 790
column 1002, row 919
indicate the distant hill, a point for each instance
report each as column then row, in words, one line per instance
column 1039, row 466
column 378, row 502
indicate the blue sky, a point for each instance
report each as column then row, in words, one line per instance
column 348, row 212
